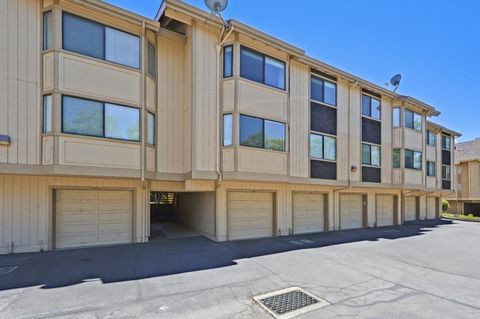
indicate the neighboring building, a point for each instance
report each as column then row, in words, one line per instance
column 102, row 110
column 467, row 196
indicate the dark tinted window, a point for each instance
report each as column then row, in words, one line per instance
column 152, row 61
column 323, row 91
column 413, row 159
column 83, row 36
column 371, row 131
column 263, row 69
column 323, row 119
column 413, row 120
column 251, row 131
column 323, row 170
column 430, row 168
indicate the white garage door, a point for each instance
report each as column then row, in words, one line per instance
column 431, row 207
column 410, row 208
column 385, row 210
column 351, row 211
column 250, row 215
column 308, row 213
column 91, row 218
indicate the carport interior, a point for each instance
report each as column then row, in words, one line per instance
column 180, row 215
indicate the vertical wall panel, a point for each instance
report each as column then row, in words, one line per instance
column 3, row 76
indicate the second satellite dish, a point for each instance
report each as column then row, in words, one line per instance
column 216, row 5
column 395, row 81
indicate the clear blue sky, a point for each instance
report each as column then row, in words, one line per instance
column 434, row 44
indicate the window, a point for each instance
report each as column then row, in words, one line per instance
column 150, row 128
column 227, row 130
column 396, row 158
column 323, row 147
column 413, row 120
column 371, row 155
column 255, row 132
column 92, row 118
column 90, row 38
column 371, row 107
column 47, row 31
column 431, row 138
column 396, row 117
column 446, row 172
column 228, row 61
column 152, row 61
column 413, row 159
column 47, row 114
column 263, row 69
column 323, row 91
column 446, row 142
column 430, row 168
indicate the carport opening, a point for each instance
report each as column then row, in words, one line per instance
column 176, row 215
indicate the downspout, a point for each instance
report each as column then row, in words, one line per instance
column 221, row 40
column 142, row 137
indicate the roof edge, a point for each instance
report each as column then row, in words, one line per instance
column 444, row 129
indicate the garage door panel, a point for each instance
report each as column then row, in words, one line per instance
column 250, row 215
column 351, row 211
column 385, row 210
column 431, row 207
column 91, row 218
column 410, row 208
column 308, row 213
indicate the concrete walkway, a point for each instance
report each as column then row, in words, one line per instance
column 422, row 270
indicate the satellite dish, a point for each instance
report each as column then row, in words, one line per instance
column 395, row 81
column 216, row 6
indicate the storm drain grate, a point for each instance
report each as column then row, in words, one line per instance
column 290, row 302
column 7, row 270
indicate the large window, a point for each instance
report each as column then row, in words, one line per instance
column 90, row 38
column 47, row 30
column 431, row 138
column 152, row 61
column 371, row 155
column 396, row 158
column 446, row 142
column 323, row 91
column 371, row 107
column 150, row 129
column 431, row 169
column 396, row 117
column 413, row 159
column 92, row 118
column 446, row 172
column 227, row 130
column 260, row 133
column 323, row 147
column 47, row 114
column 260, row 68
column 228, row 61
column 413, row 120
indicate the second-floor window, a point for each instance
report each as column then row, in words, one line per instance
column 47, row 30
column 47, row 114
column 260, row 68
column 413, row 120
column 323, row 91
column 323, row 147
column 228, row 130
column 93, row 39
column 446, row 142
column 150, row 128
column 371, row 107
column 371, row 155
column 93, row 118
column 260, row 133
column 396, row 117
column 413, row 159
column 431, row 169
column 431, row 138
column 397, row 158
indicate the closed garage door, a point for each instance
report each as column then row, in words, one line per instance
column 250, row 215
column 351, row 211
column 308, row 213
column 91, row 218
column 431, row 207
column 410, row 208
column 385, row 210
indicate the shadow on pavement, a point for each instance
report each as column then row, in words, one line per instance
column 56, row 269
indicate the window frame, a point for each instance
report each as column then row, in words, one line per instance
column 264, row 56
column 230, row 46
column 223, row 129
column 431, row 164
column 322, row 135
column 263, row 133
column 371, row 98
column 104, row 26
column 370, row 159
column 449, row 144
column 413, row 160
column 431, row 133
column 103, row 136
column 449, row 171
column 320, row 78
column 413, row 120
column 154, row 129
column 47, row 37
column 399, row 158
column 151, row 45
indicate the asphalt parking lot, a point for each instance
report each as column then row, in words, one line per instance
column 423, row 270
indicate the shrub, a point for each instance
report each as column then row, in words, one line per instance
column 445, row 205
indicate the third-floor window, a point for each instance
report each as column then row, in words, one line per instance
column 93, row 39
column 323, row 91
column 431, row 138
column 413, row 120
column 371, row 107
column 261, row 68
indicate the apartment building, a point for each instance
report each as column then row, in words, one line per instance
column 108, row 119
column 466, row 199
